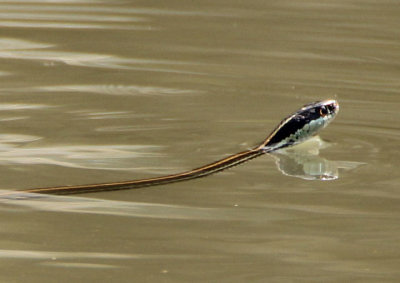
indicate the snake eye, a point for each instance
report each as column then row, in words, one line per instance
column 323, row 111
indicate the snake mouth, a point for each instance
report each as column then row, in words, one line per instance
column 336, row 104
column 328, row 110
column 332, row 106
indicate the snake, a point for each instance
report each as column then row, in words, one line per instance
column 294, row 129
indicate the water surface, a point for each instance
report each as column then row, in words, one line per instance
column 100, row 91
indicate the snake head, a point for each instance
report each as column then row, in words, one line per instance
column 301, row 125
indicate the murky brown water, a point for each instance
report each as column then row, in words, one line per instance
column 101, row 91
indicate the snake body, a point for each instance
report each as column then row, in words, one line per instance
column 296, row 128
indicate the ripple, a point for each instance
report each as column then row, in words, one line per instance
column 93, row 115
column 66, row 259
column 74, row 204
column 130, row 128
column 61, row 255
column 106, row 157
column 101, row 207
column 14, row 49
column 63, row 259
column 70, row 17
column 45, row 6
column 17, row 44
column 61, row 25
column 51, row 1
column 14, row 118
column 66, row 15
column 116, row 89
column 13, row 138
column 9, row 106
column 80, row 265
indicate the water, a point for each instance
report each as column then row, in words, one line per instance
column 97, row 91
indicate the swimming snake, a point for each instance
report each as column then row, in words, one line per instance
column 296, row 128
